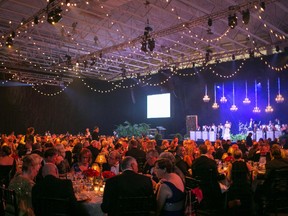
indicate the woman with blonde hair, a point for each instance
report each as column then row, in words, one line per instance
column 84, row 161
column 23, row 182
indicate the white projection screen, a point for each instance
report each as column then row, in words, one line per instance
column 159, row 106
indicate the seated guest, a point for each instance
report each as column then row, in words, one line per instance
column 165, row 145
column 53, row 187
column 240, row 192
column 277, row 162
column 50, row 156
column 84, row 161
column 179, row 160
column 7, row 165
column 63, row 165
column 262, row 155
column 23, row 182
column 171, row 157
column 137, row 153
column 171, row 190
column 205, row 170
column 127, row 184
column 219, row 151
column 151, row 157
column 37, row 149
column 113, row 163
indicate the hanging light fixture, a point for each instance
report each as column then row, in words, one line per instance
column 223, row 98
column 246, row 99
column 233, row 108
column 256, row 108
column 279, row 98
column 215, row 105
column 269, row 108
column 206, row 98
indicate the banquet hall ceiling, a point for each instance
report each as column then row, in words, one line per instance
column 112, row 39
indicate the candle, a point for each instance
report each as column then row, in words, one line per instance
column 96, row 188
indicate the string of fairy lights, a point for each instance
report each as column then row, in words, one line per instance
column 144, row 80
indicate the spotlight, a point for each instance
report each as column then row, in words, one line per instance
column 147, row 39
column 246, row 16
column 68, row 58
column 232, row 21
column 36, row 20
column 207, row 55
column 210, row 22
column 151, row 44
column 9, row 42
column 262, row 5
column 251, row 53
column 85, row 64
column 54, row 16
column 277, row 48
column 93, row 61
column 13, row 34
column 144, row 46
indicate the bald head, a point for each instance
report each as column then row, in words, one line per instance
column 50, row 169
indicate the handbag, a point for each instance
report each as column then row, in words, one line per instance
column 193, row 198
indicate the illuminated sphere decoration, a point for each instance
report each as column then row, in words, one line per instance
column 279, row 98
column 215, row 106
column 233, row 108
column 206, row 99
column 256, row 110
column 269, row 109
column 223, row 99
column 246, row 101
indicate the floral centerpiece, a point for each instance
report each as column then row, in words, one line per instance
column 108, row 174
column 90, row 173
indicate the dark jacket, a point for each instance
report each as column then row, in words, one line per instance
column 127, row 184
column 52, row 187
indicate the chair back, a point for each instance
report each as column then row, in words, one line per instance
column 140, row 206
column 278, row 191
column 9, row 201
column 191, row 183
column 54, row 207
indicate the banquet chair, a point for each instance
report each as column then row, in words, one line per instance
column 9, row 201
column 54, row 207
column 277, row 197
column 140, row 206
column 192, row 200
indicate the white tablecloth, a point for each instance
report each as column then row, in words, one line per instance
column 93, row 205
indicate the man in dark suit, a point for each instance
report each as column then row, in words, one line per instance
column 137, row 153
column 113, row 163
column 53, row 187
column 127, row 184
column 249, row 141
column 179, row 160
column 95, row 133
column 205, row 170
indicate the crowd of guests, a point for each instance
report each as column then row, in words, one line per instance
column 35, row 166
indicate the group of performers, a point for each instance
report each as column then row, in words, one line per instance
column 223, row 131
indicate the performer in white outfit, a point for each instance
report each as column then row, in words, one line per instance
column 226, row 135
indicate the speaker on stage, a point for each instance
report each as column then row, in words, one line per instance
column 191, row 123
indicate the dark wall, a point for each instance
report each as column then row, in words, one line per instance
column 78, row 107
